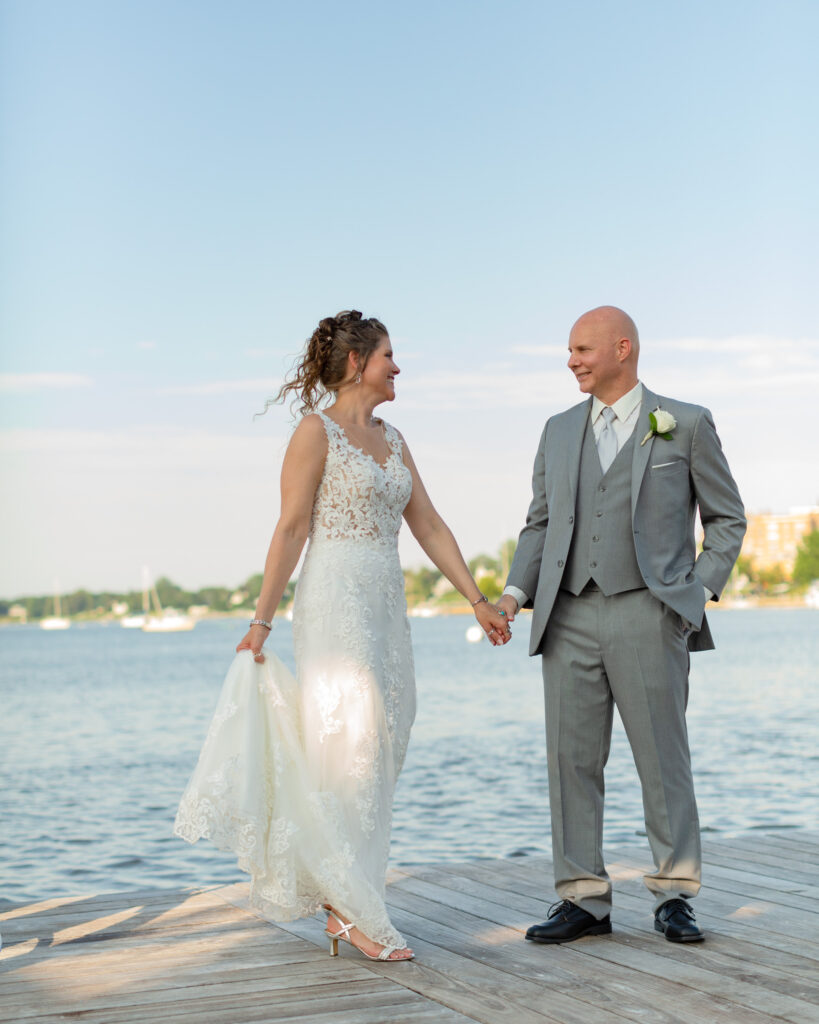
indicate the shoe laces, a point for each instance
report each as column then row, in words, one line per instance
column 561, row 907
column 679, row 904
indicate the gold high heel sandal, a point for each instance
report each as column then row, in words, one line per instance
column 344, row 934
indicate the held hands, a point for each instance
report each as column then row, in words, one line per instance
column 508, row 604
column 253, row 641
column 494, row 622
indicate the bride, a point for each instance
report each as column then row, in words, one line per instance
column 296, row 776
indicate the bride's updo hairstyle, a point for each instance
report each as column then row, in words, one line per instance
column 322, row 369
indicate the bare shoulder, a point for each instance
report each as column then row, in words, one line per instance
column 311, row 425
column 309, row 436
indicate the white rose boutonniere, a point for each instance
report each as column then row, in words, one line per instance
column 662, row 423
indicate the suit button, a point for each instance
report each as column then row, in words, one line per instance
column 560, row 564
column 602, row 487
column 593, row 565
column 598, row 514
column 571, row 519
column 595, row 538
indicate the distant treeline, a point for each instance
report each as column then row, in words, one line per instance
column 171, row 595
column 423, row 586
column 429, row 587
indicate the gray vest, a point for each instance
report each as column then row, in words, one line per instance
column 602, row 546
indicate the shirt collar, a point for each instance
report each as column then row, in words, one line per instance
column 623, row 407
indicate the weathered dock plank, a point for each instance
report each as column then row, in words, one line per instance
column 179, row 957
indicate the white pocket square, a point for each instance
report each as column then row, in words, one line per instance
column 661, row 465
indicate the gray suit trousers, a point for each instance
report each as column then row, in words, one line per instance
column 630, row 650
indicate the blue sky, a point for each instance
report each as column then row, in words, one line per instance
column 187, row 187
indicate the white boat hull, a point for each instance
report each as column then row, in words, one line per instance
column 132, row 621
column 55, row 622
column 168, row 624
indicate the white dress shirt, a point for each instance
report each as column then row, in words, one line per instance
column 626, row 414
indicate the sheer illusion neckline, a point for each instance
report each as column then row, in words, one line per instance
column 361, row 451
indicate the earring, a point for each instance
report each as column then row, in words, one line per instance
column 357, row 379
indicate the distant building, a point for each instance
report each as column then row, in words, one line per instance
column 773, row 539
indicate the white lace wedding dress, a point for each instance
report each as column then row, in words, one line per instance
column 296, row 776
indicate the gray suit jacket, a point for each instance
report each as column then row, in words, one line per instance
column 669, row 480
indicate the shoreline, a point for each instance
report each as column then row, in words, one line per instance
column 426, row 611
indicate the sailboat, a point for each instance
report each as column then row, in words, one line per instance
column 138, row 621
column 57, row 620
column 164, row 620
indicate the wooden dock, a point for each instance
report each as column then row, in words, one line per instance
column 179, row 957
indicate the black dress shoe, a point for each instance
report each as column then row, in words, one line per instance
column 675, row 919
column 567, row 921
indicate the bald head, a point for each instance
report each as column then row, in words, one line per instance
column 613, row 324
column 604, row 347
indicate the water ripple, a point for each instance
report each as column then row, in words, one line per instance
column 99, row 741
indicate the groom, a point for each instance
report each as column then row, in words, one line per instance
column 607, row 560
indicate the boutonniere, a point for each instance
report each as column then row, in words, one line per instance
column 662, row 423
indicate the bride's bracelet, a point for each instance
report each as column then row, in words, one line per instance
column 482, row 598
column 261, row 622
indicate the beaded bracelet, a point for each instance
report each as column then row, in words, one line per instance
column 261, row 622
column 483, row 597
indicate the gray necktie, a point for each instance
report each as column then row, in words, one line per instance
column 607, row 442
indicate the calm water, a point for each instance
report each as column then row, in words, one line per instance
column 100, row 728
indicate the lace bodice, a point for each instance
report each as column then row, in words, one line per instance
column 359, row 499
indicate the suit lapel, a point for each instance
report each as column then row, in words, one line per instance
column 642, row 452
column 575, row 430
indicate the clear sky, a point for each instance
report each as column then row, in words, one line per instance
column 189, row 185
